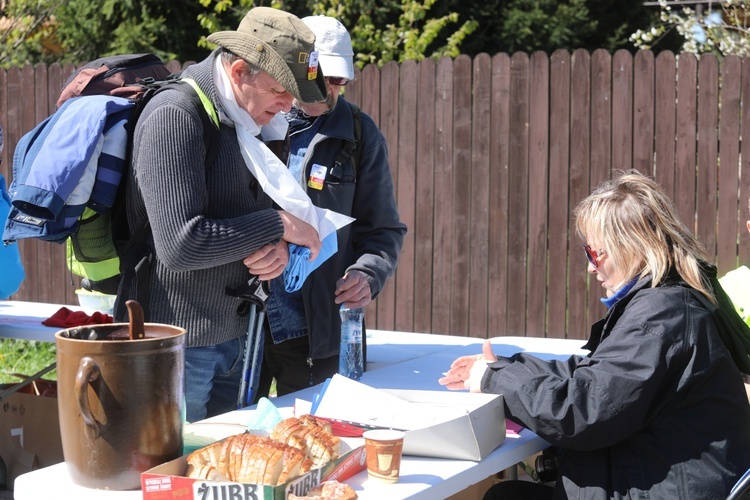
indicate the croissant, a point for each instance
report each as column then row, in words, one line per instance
column 296, row 446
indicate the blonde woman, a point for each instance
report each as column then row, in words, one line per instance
column 658, row 408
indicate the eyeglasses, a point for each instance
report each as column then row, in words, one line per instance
column 339, row 81
column 593, row 255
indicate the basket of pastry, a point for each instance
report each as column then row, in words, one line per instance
column 300, row 458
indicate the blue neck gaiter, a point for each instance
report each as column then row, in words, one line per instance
column 610, row 301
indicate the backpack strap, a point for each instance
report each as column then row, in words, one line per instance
column 352, row 150
column 210, row 119
column 136, row 255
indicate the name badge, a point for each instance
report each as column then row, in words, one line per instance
column 312, row 66
column 317, row 176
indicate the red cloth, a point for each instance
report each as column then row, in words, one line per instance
column 65, row 318
column 512, row 428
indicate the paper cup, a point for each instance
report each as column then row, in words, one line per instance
column 383, row 448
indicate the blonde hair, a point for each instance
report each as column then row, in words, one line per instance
column 637, row 225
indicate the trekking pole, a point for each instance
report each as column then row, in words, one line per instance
column 253, row 377
column 254, row 295
column 246, row 359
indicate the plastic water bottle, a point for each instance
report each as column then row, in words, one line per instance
column 351, row 364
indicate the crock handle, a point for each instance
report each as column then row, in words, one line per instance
column 88, row 371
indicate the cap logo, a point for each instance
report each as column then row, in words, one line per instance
column 312, row 66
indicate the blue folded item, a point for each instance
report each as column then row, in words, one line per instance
column 299, row 266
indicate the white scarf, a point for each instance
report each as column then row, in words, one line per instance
column 272, row 175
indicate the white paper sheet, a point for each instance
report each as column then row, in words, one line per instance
column 351, row 401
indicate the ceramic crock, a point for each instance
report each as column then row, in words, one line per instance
column 120, row 401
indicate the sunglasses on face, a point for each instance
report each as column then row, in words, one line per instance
column 593, row 255
column 339, row 81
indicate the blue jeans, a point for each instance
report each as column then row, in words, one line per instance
column 212, row 378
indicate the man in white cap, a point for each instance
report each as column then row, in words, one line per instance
column 205, row 219
column 340, row 157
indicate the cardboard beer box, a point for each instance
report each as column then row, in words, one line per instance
column 167, row 481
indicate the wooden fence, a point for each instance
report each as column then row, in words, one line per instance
column 489, row 156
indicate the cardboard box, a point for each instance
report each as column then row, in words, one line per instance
column 166, row 481
column 29, row 431
column 471, row 436
column 438, row 424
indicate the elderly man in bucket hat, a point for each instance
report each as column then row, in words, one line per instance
column 205, row 219
column 340, row 157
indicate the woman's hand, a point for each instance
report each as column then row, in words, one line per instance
column 467, row 371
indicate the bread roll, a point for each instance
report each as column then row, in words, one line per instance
column 296, row 446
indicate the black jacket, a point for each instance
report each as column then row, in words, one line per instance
column 371, row 243
column 657, row 410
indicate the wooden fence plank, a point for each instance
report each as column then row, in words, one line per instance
column 407, row 155
column 728, row 213
column 687, row 130
column 443, row 191
column 643, row 112
column 461, row 195
column 665, row 120
column 622, row 110
column 559, row 223
column 387, row 96
column 536, row 291
column 478, row 246
column 605, row 96
column 518, row 197
column 425, row 198
column 497, row 288
column 588, row 75
column 708, row 120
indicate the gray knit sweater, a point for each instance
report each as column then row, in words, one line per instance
column 204, row 220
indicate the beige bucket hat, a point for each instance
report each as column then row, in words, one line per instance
column 280, row 44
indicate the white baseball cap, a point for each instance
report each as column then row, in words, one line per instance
column 334, row 46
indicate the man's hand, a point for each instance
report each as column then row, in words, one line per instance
column 300, row 233
column 353, row 290
column 467, row 371
column 269, row 261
